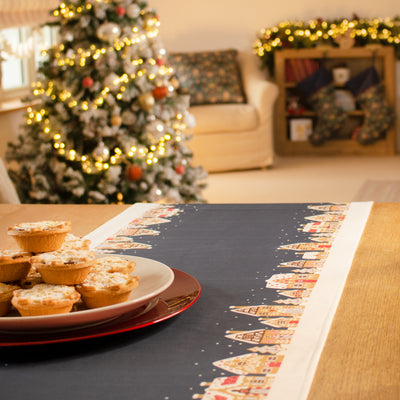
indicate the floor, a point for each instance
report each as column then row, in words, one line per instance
column 305, row 179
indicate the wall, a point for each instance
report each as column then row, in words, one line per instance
column 214, row 24
column 219, row 24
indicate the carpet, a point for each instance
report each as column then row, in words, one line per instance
column 379, row 191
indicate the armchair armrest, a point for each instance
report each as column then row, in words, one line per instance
column 260, row 92
column 8, row 193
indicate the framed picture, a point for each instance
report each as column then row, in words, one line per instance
column 300, row 129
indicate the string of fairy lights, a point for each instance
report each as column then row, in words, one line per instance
column 116, row 87
column 301, row 34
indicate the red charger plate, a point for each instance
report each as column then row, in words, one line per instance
column 179, row 296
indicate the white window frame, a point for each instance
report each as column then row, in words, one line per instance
column 29, row 68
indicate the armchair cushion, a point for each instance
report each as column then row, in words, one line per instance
column 210, row 77
column 211, row 118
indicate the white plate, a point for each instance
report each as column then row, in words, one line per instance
column 154, row 278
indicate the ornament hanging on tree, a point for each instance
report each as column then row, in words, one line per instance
column 134, row 172
column 180, row 169
column 101, row 152
column 116, row 120
column 108, row 32
column 133, row 11
column 146, row 101
column 128, row 117
column 112, row 81
column 87, row 82
column 159, row 92
column 120, row 11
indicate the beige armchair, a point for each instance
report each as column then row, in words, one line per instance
column 237, row 136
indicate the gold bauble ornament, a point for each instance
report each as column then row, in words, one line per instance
column 146, row 101
column 116, row 120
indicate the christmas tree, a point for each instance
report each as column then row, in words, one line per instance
column 106, row 124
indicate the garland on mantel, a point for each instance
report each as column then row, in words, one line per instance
column 344, row 33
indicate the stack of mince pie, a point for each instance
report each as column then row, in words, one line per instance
column 54, row 270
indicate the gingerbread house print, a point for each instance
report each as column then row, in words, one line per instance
column 280, row 322
column 269, row 310
column 340, row 207
column 307, row 270
column 306, row 246
column 314, row 255
column 326, row 217
column 138, row 232
column 320, row 227
column 147, row 221
column 251, row 364
column 323, row 239
column 262, row 336
column 270, row 349
column 302, row 293
column 162, row 212
column 292, row 281
column 237, row 388
column 302, row 264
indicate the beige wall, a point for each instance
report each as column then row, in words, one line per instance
column 219, row 24
column 214, row 24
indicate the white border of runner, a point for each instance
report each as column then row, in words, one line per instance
column 115, row 224
column 296, row 373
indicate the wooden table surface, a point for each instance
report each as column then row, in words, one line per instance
column 361, row 357
column 84, row 218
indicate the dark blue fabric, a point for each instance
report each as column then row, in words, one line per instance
column 363, row 81
column 231, row 249
column 310, row 85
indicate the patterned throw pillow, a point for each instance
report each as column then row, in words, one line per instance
column 210, row 77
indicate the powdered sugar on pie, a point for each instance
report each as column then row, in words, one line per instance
column 46, row 294
column 73, row 242
column 99, row 280
column 13, row 255
column 41, row 226
column 114, row 264
column 64, row 257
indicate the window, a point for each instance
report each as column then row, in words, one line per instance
column 20, row 57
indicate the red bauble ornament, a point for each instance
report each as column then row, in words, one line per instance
column 87, row 82
column 180, row 169
column 159, row 92
column 134, row 172
column 120, row 11
column 160, row 61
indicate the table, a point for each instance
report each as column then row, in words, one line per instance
column 360, row 359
